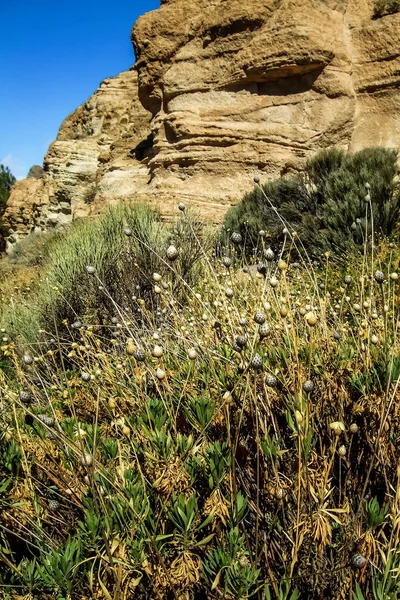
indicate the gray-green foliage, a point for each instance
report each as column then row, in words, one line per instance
column 325, row 205
column 386, row 7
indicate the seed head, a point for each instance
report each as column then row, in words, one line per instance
column 54, row 505
column 192, row 354
column 160, row 374
column 226, row 261
column 263, row 330
column 86, row 459
column 157, row 351
column 262, row 268
column 181, row 206
column 394, row 276
column 90, row 270
column 236, row 238
column 354, row 428
column 139, row 354
column 342, row 451
column 358, row 561
column 46, row 420
column 241, row 341
column 257, row 362
column 308, row 386
column 229, row 293
column 25, row 396
column 85, row 376
column 379, row 276
column 127, row 231
column 347, row 279
column 269, row 255
column 256, row 179
column 271, row 381
column 259, row 318
column 28, row 360
column 172, row 253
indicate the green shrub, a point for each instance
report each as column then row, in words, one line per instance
column 124, row 266
column 325, row 203
column 385, row 7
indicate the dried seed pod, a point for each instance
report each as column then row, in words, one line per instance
column 181, row 206
column 157, row 351
column 172, row 253
column 90, row 270
column 192, row 354
column 127, row 231
column 160, row 374
column 46, row 420
column 269, row 255
column 358, row 561
column 379, row 276
column 86, row 459
column 259, row 318
column 347, row 279
column 229, row 293
column 139, row 354
column 354, row 428
column 264, row 330
column 85, row 376
column 226, row 261
column 342, row 451
column 257, row 362
column 241, row 340
column 54, row 505
column 308, row 386
column 271, row 381
column 28, row 360
column 25, row 396
column 236, row 238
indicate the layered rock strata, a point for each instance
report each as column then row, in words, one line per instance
column 233, row 89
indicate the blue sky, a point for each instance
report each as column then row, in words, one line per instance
column 53, row 56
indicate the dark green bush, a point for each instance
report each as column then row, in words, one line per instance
column 323, row 203
column 386, row 7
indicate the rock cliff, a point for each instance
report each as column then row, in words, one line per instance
column 223, row 90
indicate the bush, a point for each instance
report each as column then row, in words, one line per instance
column 326, row 204
column 386, row 7
column 124, row 266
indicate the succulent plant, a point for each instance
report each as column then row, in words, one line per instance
column 259, row 318
column 139, row 354
column 271, row 381
column 172, row 253
column 25, row 396
column 358, row 561
column 379, row 276
column 308, row 386
column 257, row 362
column 236, row 238
column 264, row 330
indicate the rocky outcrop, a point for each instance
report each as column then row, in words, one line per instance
column 98, row 158
column 233, row 89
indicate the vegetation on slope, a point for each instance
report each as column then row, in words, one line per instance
column 7, row 180
column 328, row 205
column 183, row 426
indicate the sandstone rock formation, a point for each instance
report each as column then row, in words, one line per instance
column 234, row 89
column 94, row 162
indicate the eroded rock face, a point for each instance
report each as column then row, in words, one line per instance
column 234, row 89
column 93, row 162
column 242, row 88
